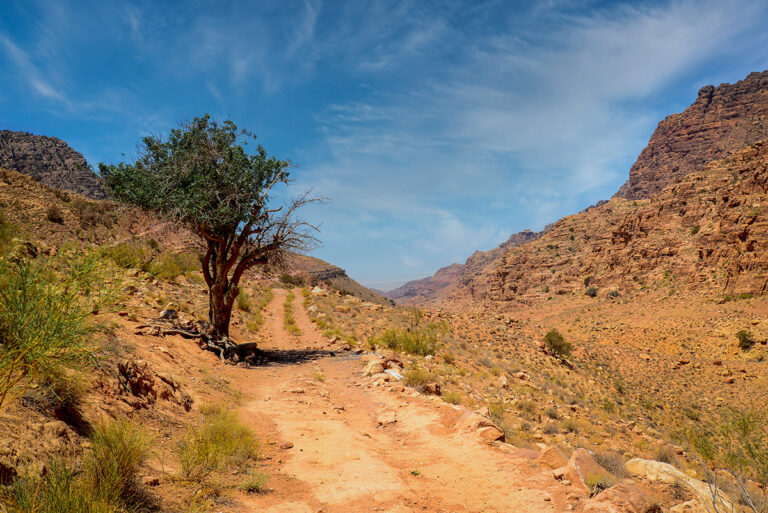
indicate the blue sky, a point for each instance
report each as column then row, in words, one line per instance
column 436, row 127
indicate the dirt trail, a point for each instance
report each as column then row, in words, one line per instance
column 340, row 461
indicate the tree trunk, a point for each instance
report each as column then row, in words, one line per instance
column 221, row 298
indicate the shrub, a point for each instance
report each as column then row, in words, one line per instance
column 556, row 344
column 745, row 340
column 417, row 377
column 130, row 255
column 221, row 443
column 54, row 214
column 244, row 302
column 293, row 280
column 551, row 429
column 611, row 462
column 591, row 292
column 596, row 483
column 170, row 265
column 44, row 306
column 255, row 482
column 695, row 229
column 587, row 281
column 419, row 341
column 108, row 483
column 452, row 397
column 613, row 293
column 449, row 358
column 571, row 426
column 552, row 413
column 112, row 469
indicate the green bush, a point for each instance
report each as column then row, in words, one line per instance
column 417, row 378
column 44, row 306
column 243, row 302
column 745, row 340
column 591, row 292
column 420, row 341
column 130, row 255
column 557, row 345
column 108, row 483
column 119, row 448
column 452, row 397
column 297, row 280
column 170, row 265
column 222, row 443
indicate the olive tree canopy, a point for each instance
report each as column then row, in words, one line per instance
column 202, row 176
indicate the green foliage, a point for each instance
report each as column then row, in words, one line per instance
column 587, row 281
column 256, row 320
column 119, row 448
column 591, row 292
column 170, row 265
column 745, row 340
column 420, row 341
column 596, row 483
column 739, row 445
column 695, row 229
column 243, row 302
column 7, row 233
column 222, row 443
column 255, row 482
column 557, row 345
column 292, row 280
column 108, row 483
column 417, row 377
column 201, row 174
column 288, row 320
column 130, row 255
column 452, row 397
column 44, row 306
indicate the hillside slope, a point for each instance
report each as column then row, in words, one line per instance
column 707, row 232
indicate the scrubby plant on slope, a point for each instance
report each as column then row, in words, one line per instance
column 44, row 310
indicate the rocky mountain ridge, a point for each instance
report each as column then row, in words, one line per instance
column 50, row 161
column 722, row 120
column 705, row 233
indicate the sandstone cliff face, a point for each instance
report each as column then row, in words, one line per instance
column 50, row 161
column 723, row 119
column 470, row 273
column 708, row 233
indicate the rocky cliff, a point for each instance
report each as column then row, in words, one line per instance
column 50, row 161
column 707, row 233
column 723, row 119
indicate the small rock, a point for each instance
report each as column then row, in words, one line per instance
column 386, row 419
column 286, row 445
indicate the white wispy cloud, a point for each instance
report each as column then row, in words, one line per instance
column 29, row 72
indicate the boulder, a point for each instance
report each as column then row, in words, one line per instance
column 622, row 498
column 582, row 468
column 431, row 389
column 666, row 473
column 473, row 422
column 372, row 368
column 552, row 457
column 491, row 434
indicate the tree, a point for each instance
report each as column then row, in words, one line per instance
column 202, row 177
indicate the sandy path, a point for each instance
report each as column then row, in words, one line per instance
column 342, row 462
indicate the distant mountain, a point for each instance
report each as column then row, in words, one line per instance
column 722, row 120
column 446, row 279
column 50, row 161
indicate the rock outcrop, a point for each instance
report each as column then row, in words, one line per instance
column 722, row 120
column 50, row 161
